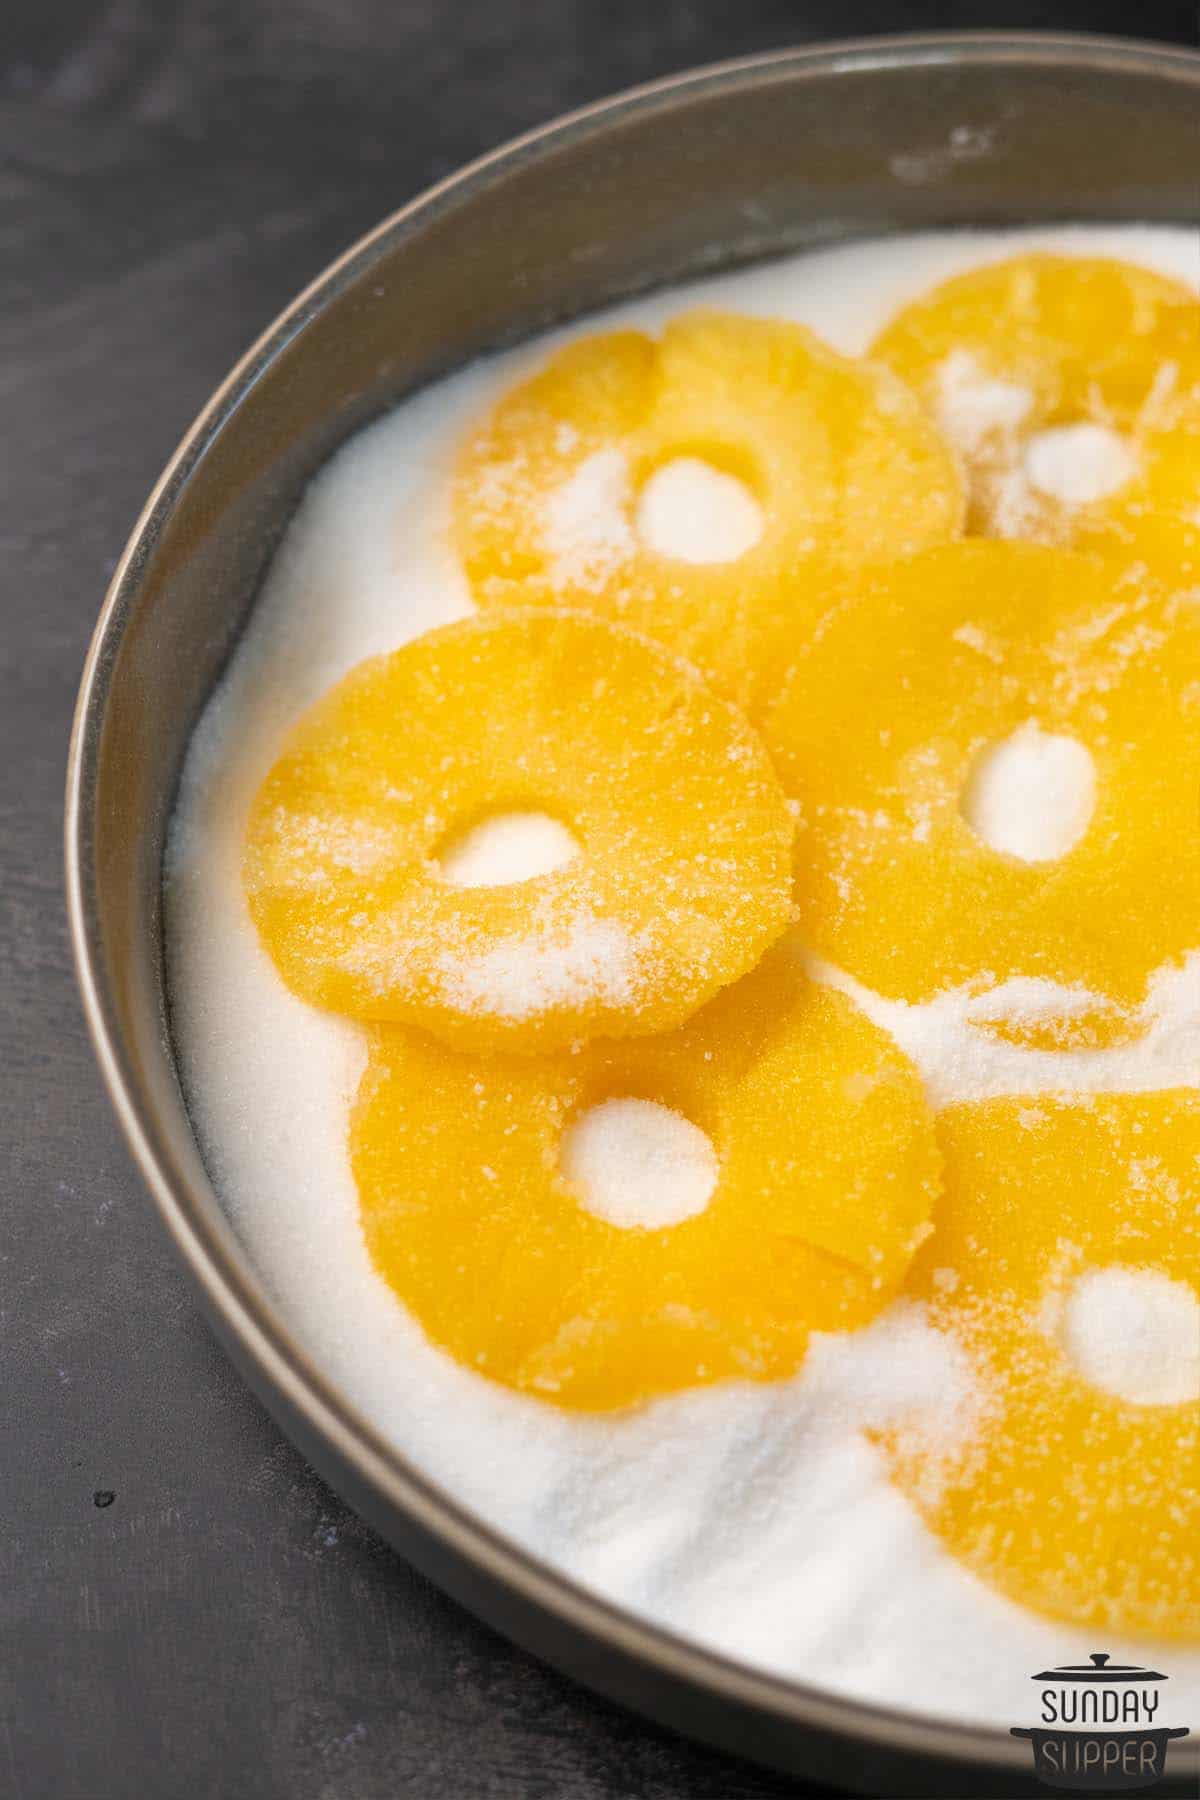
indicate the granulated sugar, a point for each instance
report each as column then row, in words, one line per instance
column 639, row 1164
column 1078, row 464
column 688, row 510
column 590, row 958
column 696, row 513
column 756, row 1518
column 505, row 848
column 974, row 407
column 586, row 531
column 1134, row 1333
column 1075, row 464
column 959, row 1061
column 1032, row 795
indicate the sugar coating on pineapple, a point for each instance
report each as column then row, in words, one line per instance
column 1070, row 387
column 1091, row 877
column 694, row 486
column 680, row 881
column 1066, row 1263
column 795, row 1182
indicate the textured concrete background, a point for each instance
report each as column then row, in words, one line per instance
column 185, row 1610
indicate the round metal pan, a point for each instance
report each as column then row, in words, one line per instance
column 706, row 170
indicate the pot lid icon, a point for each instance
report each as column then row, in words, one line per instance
column 1099, row 1669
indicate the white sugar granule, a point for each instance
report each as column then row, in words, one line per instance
column 507, row 847
column 754, row 1517
column 1031, row 796
column 973, row 406
column 1075, row 464
column 1078, row 464
column 586, row 531
column 1134, row 1333
column 588, row 959
column 314, row 844
column 636, row 1163
column 958, row 1061
column 696, row 513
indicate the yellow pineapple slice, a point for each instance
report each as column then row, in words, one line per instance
column 1066, row 1258
column 551, row 491
column 825, row 1171
column 906, row 693
column 1070, row 386
column 682, row 876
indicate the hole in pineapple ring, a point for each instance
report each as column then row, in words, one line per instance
column 636, row 1163
column 1078, row 464
column 694, row 512
column 506, row 847
column 1032, row 795
column 1134, row 1333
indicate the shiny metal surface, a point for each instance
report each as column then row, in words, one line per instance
column 692, row 173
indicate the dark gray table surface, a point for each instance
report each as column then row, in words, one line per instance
column 185, row 1610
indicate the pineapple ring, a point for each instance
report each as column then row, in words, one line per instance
column 882, row 722
column 1082, row 347
column 828, row 1169
column 837, row 453
column 1066, row 1497
column 682, row 879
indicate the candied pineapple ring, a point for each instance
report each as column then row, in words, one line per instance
column 881, row 726
column 1067, row 1260
column 1071, row 387
column 827, row 1173
column 681, row 882
column 837, row 454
